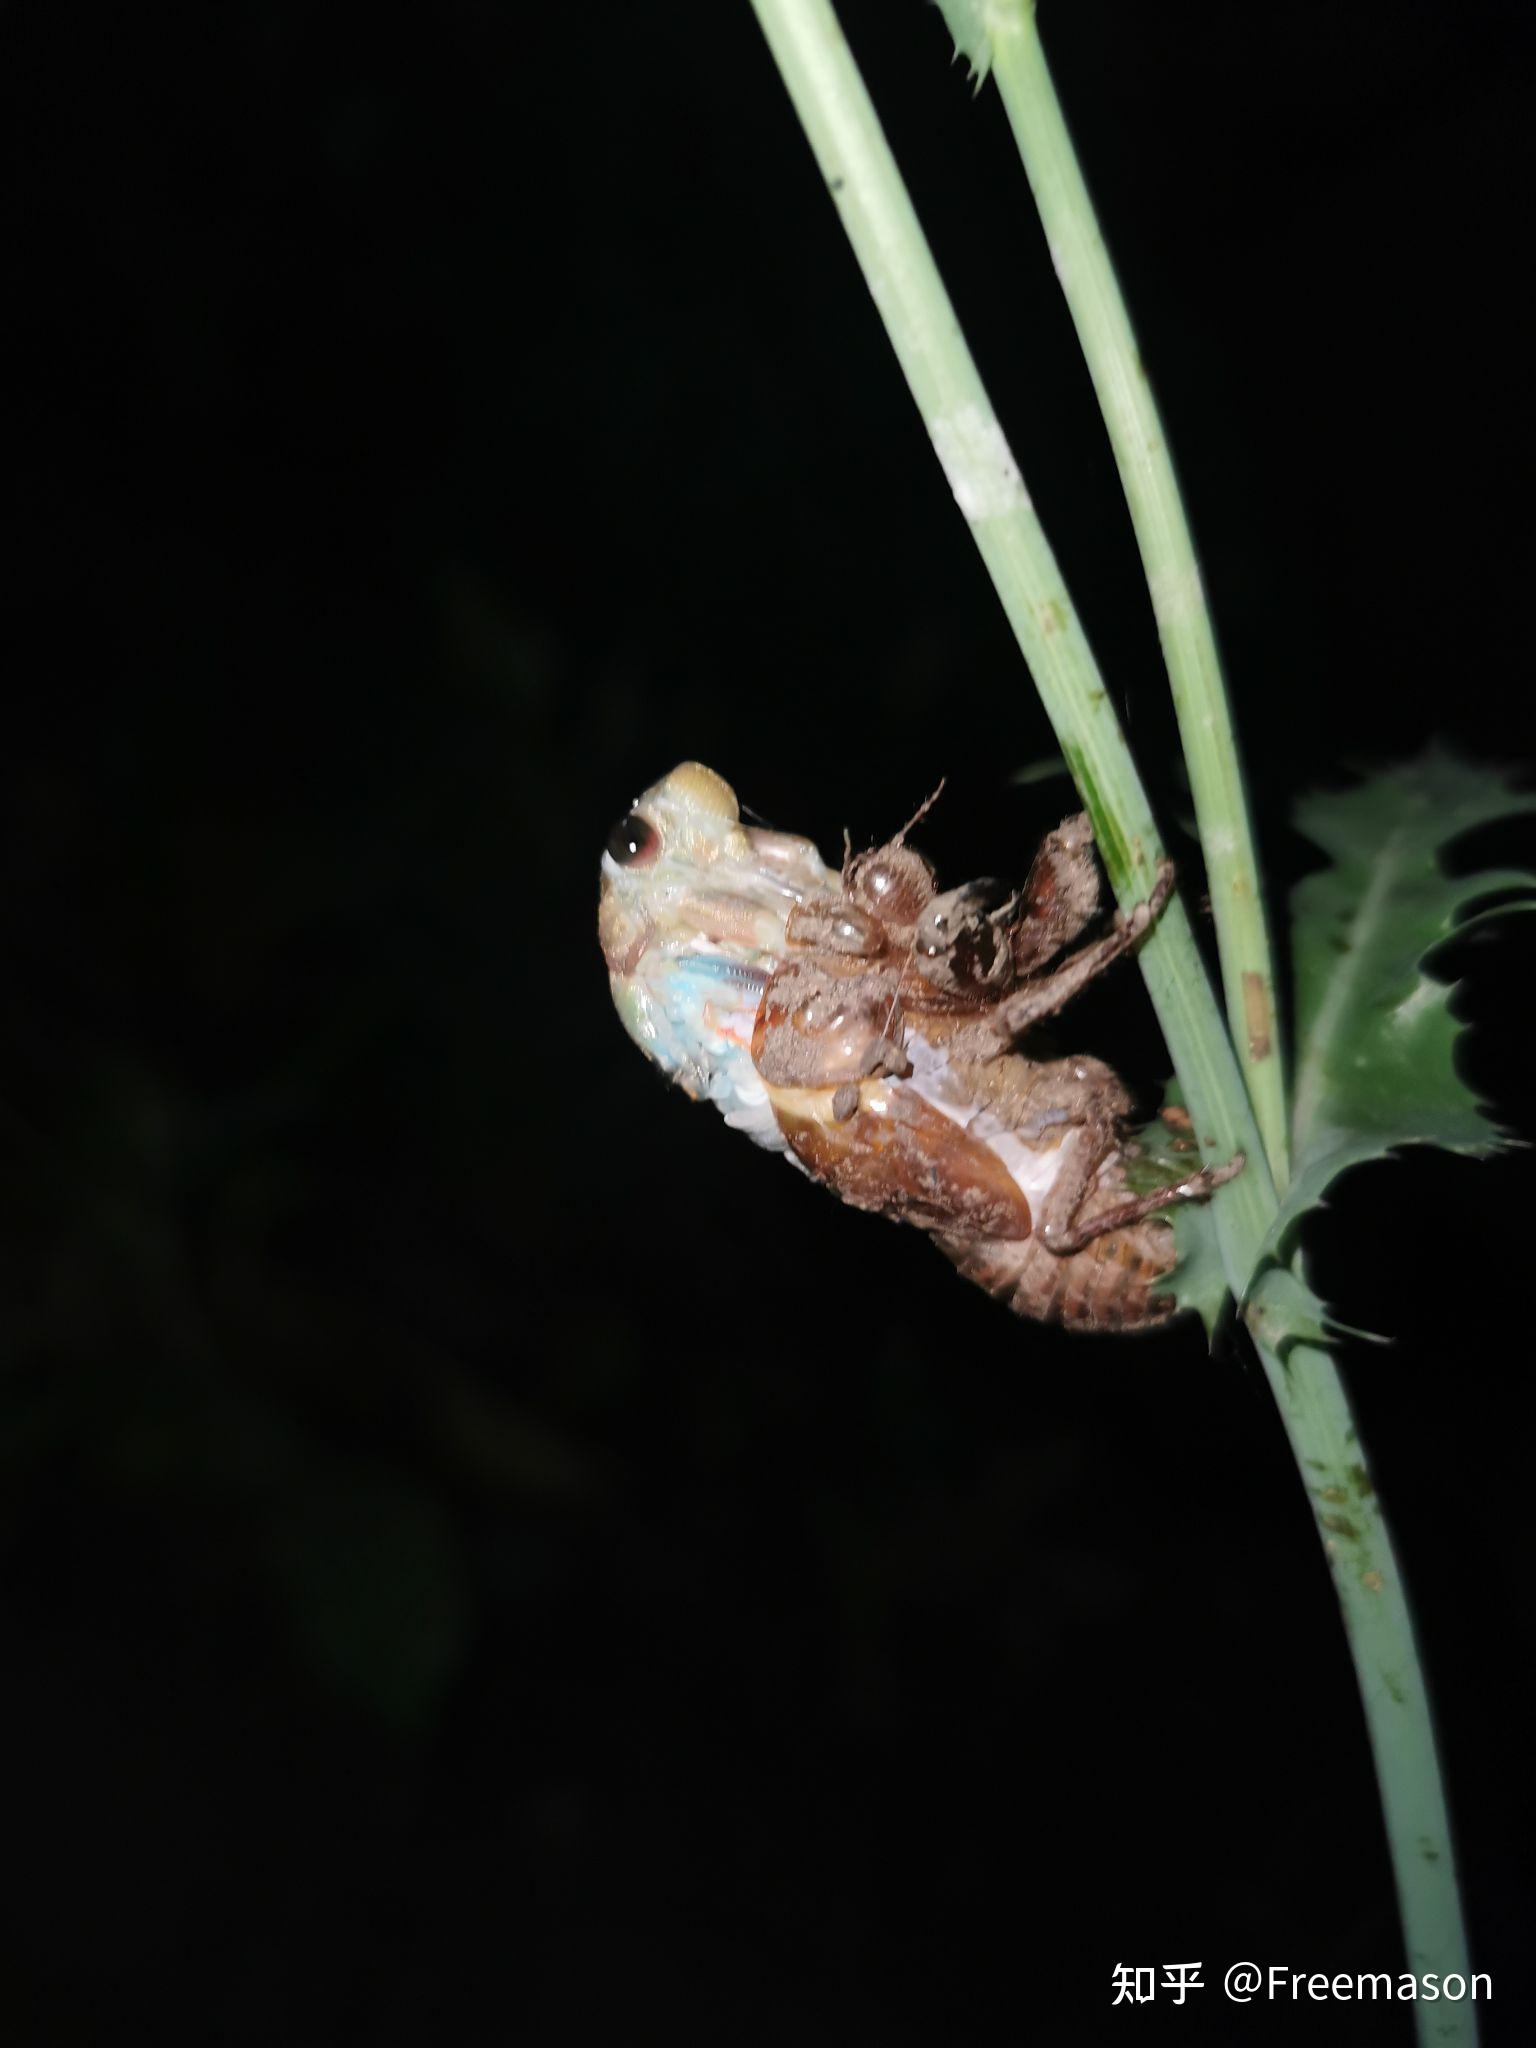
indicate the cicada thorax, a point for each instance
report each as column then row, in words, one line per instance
column 858, row 1048
column 830, row 1048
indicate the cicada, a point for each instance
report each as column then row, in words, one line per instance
column 874, row 1028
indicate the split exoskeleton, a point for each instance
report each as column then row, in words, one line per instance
column 873, row 1025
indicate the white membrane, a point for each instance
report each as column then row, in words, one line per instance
column 1032, row 1172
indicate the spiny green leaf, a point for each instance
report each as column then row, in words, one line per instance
column 1375, row 1036
column 976, row 25
column 1199, row 1280
column 1163, row 1156
column 1282, row 1309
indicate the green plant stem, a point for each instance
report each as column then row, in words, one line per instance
column 861, row 174
column 1098, row 310
column 855, row 160
column 1366, row 1577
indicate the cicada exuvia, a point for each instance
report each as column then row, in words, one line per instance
column 874, row 1027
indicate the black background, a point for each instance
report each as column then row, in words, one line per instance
column 486, row 1553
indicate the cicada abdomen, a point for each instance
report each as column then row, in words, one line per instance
column 1118, row 1282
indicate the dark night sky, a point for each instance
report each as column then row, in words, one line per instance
column 486, row 1554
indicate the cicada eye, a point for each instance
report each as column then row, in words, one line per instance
column 633, row 841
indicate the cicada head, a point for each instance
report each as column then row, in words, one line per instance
column 692, row 925
column 963, row 942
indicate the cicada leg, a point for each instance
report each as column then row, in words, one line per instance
column 1061, row 895
column 1070, row 1115
column 1047, row 994
column 1062, row 1229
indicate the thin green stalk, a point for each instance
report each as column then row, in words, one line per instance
column 1184, row 627
column 1366, row 1577
column 861, row 174
column 855, row 160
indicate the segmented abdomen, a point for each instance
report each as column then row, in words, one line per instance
column 1111, row 1284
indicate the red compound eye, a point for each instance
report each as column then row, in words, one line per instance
column 633, row 842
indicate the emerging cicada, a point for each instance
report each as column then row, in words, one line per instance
column 869, row 1024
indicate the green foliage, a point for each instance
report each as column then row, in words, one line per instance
column 975, row 25
column 1282, row 1309
column 1375, row 1037
column 1199, row 1280
column 1165, row 1155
